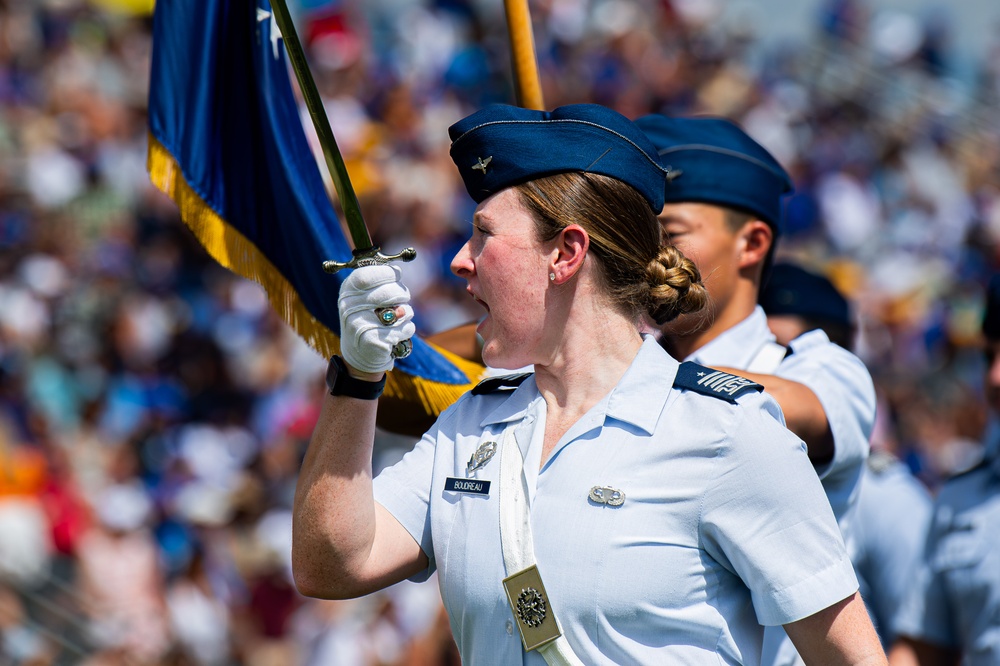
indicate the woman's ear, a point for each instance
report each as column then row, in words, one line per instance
column 571, row 245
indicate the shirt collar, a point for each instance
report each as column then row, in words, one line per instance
column 516, row 406
column 638, row 398
column 814, row 338
column 737, row 346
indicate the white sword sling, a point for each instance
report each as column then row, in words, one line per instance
column 533, row 612
column 767, row 359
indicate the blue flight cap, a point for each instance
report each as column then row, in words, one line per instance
column 792, row 290
column 502, row 145
column 991, row 313
column 711, row 160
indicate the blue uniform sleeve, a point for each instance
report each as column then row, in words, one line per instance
column 767, row 518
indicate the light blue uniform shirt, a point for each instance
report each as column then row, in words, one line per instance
column 724, row 525
column 840, row 381
column 844, row 388
column 894, row 512
column 956, row 600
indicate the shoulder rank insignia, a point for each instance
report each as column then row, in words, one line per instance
column 501, row 383
column 716, row 383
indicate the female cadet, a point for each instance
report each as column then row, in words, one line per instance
column 582, row 513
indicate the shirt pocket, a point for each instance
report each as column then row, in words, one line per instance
column 961, row 548
column 960, row 564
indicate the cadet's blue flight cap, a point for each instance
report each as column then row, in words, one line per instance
column 792, row 290
column 711, row 160
column 504, row 145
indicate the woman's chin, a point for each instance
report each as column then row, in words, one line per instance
column 495, row 357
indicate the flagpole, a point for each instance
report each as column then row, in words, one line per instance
column 525, row 64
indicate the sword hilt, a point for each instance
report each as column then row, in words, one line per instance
column 371, row 257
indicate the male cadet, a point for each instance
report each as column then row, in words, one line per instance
column 723, row 209
column 894, row 508
column 952, row 614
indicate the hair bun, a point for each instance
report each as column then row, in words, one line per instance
column 675, row 286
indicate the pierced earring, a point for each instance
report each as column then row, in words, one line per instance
column 552, row 276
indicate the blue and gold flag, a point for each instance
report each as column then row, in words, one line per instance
column 227, row 145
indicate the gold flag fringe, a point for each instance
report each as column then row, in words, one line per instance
column 237, row 253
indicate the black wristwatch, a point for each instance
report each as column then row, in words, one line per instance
column 341, row 383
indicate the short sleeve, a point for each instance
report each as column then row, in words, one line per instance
column 767, row 519
column 844, row 387
column 404, row 490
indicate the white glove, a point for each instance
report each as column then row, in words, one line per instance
column 366, row 341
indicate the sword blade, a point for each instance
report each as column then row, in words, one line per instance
column 331, row 153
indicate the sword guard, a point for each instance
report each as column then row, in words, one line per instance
column 371, row 257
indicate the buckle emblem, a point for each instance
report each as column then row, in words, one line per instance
column 531, row 607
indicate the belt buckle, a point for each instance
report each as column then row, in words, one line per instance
column 536, row 621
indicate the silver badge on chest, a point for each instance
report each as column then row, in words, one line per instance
column 483, row 455
column 607, row 495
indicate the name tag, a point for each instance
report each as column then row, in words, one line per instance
column 469, row 486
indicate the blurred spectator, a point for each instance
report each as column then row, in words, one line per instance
column 20, row 642
column 950, row 612
column 199, row 616
column 120, row 580
column 25, row 535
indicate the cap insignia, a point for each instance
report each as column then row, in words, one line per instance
column 482, row 164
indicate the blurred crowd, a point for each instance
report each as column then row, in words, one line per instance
column 153, row 409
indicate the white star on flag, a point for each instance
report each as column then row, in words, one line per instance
column 263, row 15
